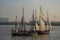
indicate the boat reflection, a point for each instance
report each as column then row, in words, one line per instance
column 43, row 37
column 35, row 37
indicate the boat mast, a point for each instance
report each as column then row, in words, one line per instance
column 35, row 20
column 23, row 15
column 32, row 20
column 16, row 24
column 48, row 23
column 22, row 21
column 33, row 17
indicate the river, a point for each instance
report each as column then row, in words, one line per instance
column 5, row 34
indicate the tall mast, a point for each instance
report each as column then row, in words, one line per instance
column 47, row 18
column 16, row 24
column 33, row 17
column 22, row 21
column 22, row 15
column 48, row 23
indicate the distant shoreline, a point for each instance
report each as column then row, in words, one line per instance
column 13, row 23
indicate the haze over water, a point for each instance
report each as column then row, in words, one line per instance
column 12, row 8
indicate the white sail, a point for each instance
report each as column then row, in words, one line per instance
column 37, row 27
column 42, row 24
column 48, row 24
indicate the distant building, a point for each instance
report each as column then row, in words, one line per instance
column 4, row 19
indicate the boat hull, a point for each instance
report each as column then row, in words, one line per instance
column 43, row 32
column 22, row 34
column 29, row 33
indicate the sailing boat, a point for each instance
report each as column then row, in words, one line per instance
column 24, row 31
column 18, row 31
column 15, row 30
column 41, row 29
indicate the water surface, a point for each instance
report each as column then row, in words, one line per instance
column 5, row 34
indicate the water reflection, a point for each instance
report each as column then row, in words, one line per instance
column 14, row 38
column 42, row 37
column 22, row 38
column 5, row 34
column 39, row 37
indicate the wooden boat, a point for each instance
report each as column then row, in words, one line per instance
column 42, row 29
column 22, row 33
column 18, row 32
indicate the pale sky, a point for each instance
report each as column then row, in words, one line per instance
column 12, row 8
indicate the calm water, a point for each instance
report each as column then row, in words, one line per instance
column 5, row 34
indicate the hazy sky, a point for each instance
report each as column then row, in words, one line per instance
column 12, row 8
